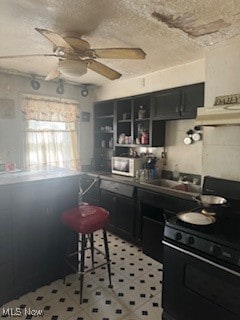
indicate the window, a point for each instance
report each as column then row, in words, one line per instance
column 51, row 133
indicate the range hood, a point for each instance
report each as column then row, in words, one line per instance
column 220, row 115
column 224, row 112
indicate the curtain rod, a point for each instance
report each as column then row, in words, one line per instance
column 50, row 99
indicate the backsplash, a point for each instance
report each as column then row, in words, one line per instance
column 187, row 157
column 189, row 177
column 221, row 152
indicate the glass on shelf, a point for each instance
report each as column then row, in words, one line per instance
column 107, row 129
column 126, row 116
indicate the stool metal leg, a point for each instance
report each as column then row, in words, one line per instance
column 107, row 257
column 92, row 248
column 82, row 265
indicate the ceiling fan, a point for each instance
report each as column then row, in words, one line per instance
column 75, row 55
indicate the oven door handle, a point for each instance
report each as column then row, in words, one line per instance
column 235, row 273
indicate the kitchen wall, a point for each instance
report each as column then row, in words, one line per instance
column 181, row 75
column 188, row 158
column 221, row 145
column 11, row 130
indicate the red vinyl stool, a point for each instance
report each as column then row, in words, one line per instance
column 85, row 220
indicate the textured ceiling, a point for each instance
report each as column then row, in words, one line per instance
column 165, row 29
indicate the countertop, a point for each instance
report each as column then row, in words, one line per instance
column 7, row 178
column 142, row 185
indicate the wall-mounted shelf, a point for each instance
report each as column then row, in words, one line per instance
column 105, row 117
column 143, row 119
column 126, row 121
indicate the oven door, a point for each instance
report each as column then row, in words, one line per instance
column 195, row 288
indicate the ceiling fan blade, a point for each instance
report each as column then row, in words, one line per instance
column 102, row 69
column 118, row 53
column 55, row 73
column 55, row 38
column 75, row 41
column 30, row 55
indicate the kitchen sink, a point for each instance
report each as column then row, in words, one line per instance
column 176, row 185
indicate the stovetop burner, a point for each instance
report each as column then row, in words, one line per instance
column 226, row 229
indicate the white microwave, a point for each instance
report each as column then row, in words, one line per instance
column 126, row 166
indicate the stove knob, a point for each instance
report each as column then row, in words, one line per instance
column 190, row 240
column 215, row 250
column 178, row 236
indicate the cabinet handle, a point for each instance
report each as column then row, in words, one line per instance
column 181, row 109
column 114, row 198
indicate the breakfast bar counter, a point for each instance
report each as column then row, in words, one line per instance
column 20, row 176
column 32, row 237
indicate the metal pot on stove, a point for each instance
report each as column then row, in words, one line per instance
column 204, row 217
column 209, row 200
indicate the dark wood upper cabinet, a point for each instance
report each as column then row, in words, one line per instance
column 178, row 103
column 121, row 116
column 133, row 118
column 192, row 98
column 166, row 104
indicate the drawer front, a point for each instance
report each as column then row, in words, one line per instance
column 168, row 203
column 119, row 188
column 159, row 200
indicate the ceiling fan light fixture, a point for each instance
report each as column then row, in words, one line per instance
column 72, row 68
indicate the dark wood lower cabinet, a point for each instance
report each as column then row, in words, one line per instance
column 126, row 216
column 122, row 209
column 33, row 237
column 154, row 209
column 152, row 235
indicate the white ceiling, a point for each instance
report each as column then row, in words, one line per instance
column 167, row 36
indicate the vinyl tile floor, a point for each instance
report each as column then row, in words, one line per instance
column 136, row 292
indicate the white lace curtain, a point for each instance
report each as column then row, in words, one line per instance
column 51, row 133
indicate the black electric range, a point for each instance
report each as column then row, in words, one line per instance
column 202, row 263
column 220, row 240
